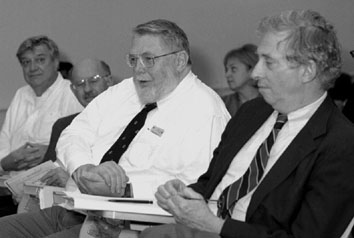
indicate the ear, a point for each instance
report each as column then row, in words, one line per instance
column 73, row 89
column 109, row 80
column 56, row 63
column 309, row 72
column 181, row 60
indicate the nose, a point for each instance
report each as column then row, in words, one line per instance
column 140, row 67
column 227, row 73
column 87, row 86
column 257, row 71
column 33, row 66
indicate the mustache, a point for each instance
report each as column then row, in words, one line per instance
column 89, row 95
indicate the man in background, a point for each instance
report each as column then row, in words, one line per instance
column 296, row 184
column 89, row 78
column 25, row 134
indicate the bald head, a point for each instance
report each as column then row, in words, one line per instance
column 90, row 77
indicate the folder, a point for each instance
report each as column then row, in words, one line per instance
column 78, row 201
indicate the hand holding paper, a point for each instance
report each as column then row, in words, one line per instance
column 56, row 177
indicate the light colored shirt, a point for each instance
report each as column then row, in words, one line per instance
column 177, row 140
column 30, row 118
column 296, row 121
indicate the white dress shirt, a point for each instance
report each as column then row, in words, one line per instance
column 30, row 118
column 177, row 140
column 296, row 121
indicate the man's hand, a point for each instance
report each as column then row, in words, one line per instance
column 56, row 177
column 166, row 191
column 108, row 179
column 35, row 154
column 20, row 158
column 187, row 207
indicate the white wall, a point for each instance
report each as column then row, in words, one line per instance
column 101, row 28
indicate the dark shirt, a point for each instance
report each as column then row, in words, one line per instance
column 57, row 128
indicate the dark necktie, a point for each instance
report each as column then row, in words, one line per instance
column 122, row 143
column 252, row 176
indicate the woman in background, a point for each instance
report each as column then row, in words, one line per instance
column 238, row 65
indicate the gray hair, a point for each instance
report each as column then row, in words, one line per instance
column 171, row 34
column 32, row 42
column 310, row 38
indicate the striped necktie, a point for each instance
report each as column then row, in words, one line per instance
column 122, row 143
column 252, row 176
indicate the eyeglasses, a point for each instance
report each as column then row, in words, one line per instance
column 91, row 81
column 146, row 59
column 352, row 53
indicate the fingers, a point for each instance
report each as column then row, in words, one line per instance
column 190, row 194
column 52, row 181
column 22, row 165
column 114, row 176
column 161, row 201
column 165, row 192
column 34, row 155
column 171, row 188
column 48, row 175
column 79, row 171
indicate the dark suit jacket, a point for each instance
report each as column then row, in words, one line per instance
column 57, row 129
column 308, row 193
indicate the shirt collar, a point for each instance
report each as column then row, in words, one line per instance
column 307, row 111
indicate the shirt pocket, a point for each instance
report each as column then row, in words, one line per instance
column 141, row 152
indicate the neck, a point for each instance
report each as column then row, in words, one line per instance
column 300, row 102
column 42, row 88
column 181, row 75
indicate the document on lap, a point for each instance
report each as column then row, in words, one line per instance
column 16, row 183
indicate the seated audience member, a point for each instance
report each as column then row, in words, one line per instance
column 109, row 143
column 89, row 78
column 343, row 93
column 238, row 65
column 25, row 134
column 306, row 188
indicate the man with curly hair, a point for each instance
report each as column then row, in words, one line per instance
column 298, row 184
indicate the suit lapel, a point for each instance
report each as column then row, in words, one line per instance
column 303, row 144
column 239, row 132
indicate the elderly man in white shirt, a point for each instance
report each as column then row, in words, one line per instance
column 25, row 134
column 27, row 127
column 176, row 141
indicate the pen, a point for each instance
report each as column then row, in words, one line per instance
column 140, row 201
column 202, row 199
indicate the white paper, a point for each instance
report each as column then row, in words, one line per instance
column 100, row 203
column 15, row 183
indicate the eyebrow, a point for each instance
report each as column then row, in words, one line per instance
column 42, row 54
column 266, row 56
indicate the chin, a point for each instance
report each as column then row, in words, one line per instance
column 147, row 94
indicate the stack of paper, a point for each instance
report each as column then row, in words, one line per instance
column 15, row 183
